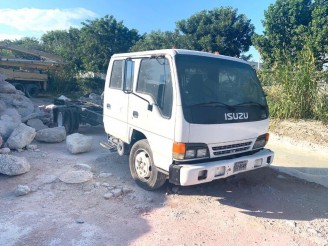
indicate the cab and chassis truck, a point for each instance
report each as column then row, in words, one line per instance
column 187, row 116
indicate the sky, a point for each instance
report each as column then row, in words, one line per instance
column 32, row 18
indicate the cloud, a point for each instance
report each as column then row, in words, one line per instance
column 42, row 20
column 4, row 36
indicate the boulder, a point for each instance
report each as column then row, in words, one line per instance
column 13, row 165
column 3, row 106
column 78, row 143
column 9, row 120
column 6, row 87
column 4, row 151
column 22, row 104
column 22, row 190
column 51, row 135
column 30, row 116
column 76, row 177
column 37, row 124
column 23, row 135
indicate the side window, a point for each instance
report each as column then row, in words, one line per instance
column 129, row 74
column 116, row 76
column 155, row 79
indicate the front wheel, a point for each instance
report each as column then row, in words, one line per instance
column 142, row 167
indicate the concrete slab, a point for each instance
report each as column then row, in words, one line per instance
column 300, row 159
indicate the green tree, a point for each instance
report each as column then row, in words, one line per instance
column 319, row 30
column 156, row 40
column 289, row 26
column 101, row 38
column 221, row 29
column 64, row 43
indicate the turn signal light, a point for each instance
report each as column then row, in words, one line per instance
column 179, row 150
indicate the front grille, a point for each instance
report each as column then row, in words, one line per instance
column 231, row 148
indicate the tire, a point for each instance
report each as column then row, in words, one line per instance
column 122, row 148
column 75, row 119
column 19, row 87
column 142, row 167
column 31, row 90
column 64, row 118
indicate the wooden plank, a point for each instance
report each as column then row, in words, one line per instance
column 29, row 64
column 11, row 74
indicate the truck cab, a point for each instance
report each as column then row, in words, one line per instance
column 187, row 116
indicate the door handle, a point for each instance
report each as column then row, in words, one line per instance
column 135, row 114
column 108, row 106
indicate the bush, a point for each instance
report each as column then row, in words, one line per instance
column 293, row 89
column 89, row 85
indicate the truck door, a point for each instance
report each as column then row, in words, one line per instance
column 154, row 83
column 116, row 103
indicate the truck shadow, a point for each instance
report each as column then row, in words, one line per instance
column 267, row 193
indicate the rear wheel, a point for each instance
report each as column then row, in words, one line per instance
column 142, row 167
column 19, row 87
column 64, row 118
column 31, row 90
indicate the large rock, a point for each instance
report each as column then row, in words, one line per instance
column 9, row 120
column 51, row 135
column 76, row 177
column 6, row 87
column 13, row 165
column 22, row 104
column 78, row 143
column 22, row 190
column 37, row 124
column 23, row 135
column 3, row 107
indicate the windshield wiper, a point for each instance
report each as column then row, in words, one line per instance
column 250, row 103
column 213, row 104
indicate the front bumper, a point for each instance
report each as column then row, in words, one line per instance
column 191, row 174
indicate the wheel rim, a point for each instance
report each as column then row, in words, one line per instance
column 143, row 164
column 60, row 119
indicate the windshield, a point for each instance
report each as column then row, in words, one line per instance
column 207, row 83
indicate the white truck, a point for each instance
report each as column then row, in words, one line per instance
column 187, row 116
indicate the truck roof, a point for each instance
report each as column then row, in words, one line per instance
column 173, row 52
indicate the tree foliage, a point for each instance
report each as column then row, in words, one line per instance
column 159, row 40
column 221, row 29
column 319, row 30
column 101, row 38
column 289, row 25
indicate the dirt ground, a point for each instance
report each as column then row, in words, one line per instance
column 299, row 131
column 262, row 207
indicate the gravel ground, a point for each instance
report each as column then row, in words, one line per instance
column 262, row 207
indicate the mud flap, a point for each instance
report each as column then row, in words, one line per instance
column 174, row 174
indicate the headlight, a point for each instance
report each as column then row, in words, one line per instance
column 184, row 151
column 261, row 141
column 201, row 153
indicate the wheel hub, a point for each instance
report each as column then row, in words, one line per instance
column 142, row 164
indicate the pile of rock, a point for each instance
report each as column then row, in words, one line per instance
column 21, row 122
column 19, row 118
